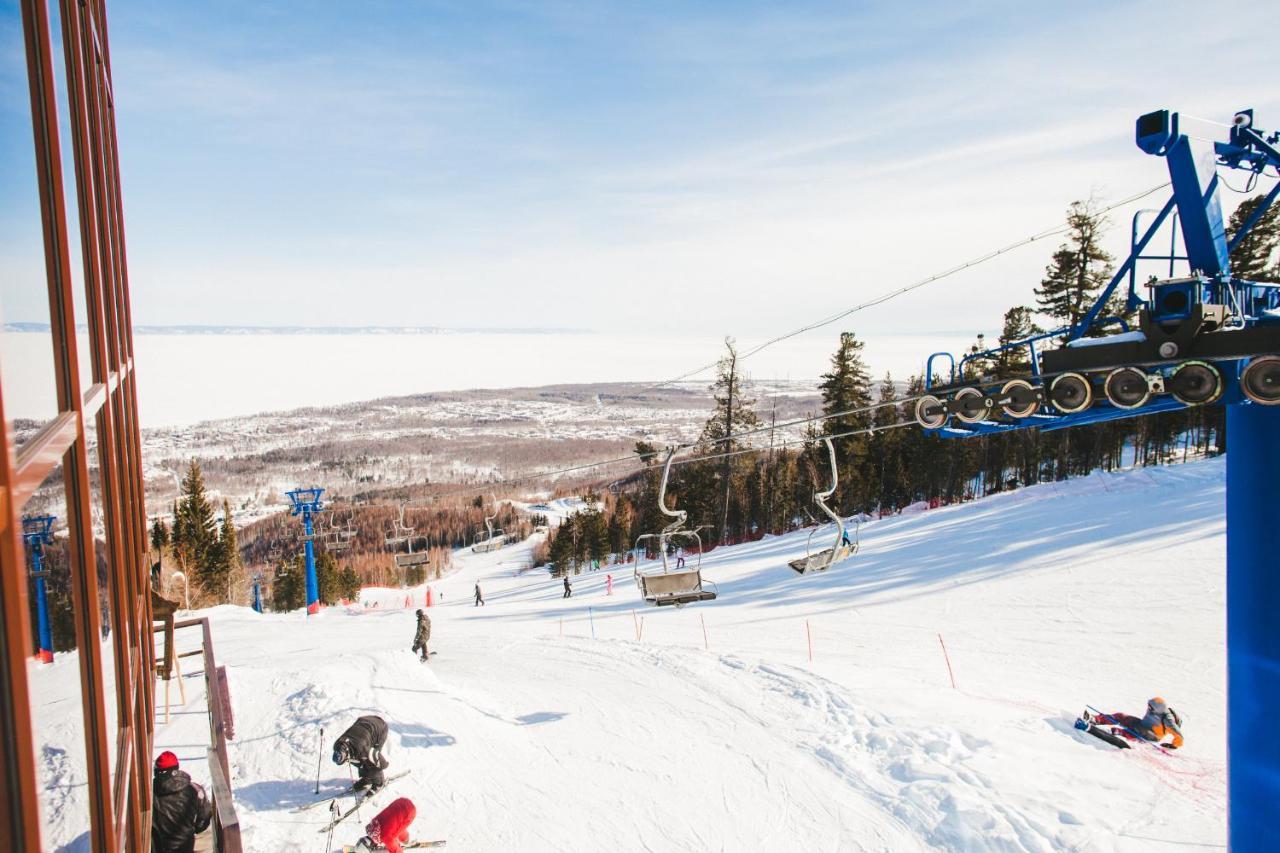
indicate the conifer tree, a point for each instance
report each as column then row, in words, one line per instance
column 734, row 414
column 848, row 387
column 198, row 546
column 1080, row 267
column 1018, row 325
column 1257, row 256
column 159, row 535
column 288, row 588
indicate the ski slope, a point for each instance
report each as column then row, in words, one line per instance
column 526, row 732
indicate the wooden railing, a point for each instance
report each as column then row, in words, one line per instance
column 225, row 822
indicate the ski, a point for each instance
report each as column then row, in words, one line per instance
column 345, row 792
column 1104, row 735
column 1132, row 735
column 412, row 845
column 361, row 801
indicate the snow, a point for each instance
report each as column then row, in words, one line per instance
column 1134, row 337
column 546, row 724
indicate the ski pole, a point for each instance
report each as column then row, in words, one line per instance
column 319, row 758
column 334, row 813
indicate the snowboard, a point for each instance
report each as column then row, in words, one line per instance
column 361, row 801
column 412, row 845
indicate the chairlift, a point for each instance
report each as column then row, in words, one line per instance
column 663, row 585
column 399, row 532
column 841, row 549
column 494, row 537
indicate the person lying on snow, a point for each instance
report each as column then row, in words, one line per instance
column 180, row 811
column 1159, row 722
column 361, row 745
column 389, row 829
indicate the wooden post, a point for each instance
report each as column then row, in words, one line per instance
column 947, row 658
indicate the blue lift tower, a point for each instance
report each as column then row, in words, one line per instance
column 306, row 503
column 37, row 532
column 1203, row 338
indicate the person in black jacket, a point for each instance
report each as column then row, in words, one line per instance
column 361, row 745
column 422, row 636
column 568, row 590
column 180, row 810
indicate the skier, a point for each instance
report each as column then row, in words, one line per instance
column 422, row 635
column 844, row 539
column 608, row 584
column 1159, row 722
column 389, row 828
column 680, row 561
column 479, row 596
column 568, row 590
column 180, row 810
column 361, row 744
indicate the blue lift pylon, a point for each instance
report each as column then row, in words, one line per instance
column 306, row 503
column 1205, row 338
column 37, row 532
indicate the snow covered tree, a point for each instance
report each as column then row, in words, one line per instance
column 1257, row 256
column 1080, row 267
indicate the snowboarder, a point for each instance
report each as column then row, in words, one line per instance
column 361, row 744
column 568, row 590
column 608, row 584
column 1159, row 722
column 422, row 635
column 389, row 828
column 479, row 597
column 180, row 810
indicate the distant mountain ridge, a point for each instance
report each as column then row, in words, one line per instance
column 195, row 329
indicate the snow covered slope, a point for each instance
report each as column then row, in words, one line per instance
column 595, row 723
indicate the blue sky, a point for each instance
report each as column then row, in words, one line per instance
column 731, row 168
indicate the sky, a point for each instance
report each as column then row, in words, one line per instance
column 690, row 169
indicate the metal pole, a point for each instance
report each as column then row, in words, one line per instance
column 1253, row 643
column 313, row 588
column 45, row 652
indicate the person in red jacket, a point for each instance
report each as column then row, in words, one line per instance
column 390, row 828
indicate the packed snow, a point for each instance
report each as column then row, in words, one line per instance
column 793, row 712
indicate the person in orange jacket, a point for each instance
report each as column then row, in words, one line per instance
column 390, row 828
column 1159, row 722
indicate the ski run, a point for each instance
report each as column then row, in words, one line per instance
column 596, row 723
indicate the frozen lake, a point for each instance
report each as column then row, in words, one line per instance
column 185, row 379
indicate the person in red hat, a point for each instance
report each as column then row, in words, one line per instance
column 180, row 810
column 390, row 828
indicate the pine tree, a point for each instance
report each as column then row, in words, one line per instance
column 1257, row 256
column 1080, row 267
column 846, row 388
column 288, row 589
column 159, row 535
column 1018, row 325
column 198, row 548
column 734, row 414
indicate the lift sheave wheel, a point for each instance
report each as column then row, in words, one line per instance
column 1127, row 388
column 930, row 412
column 1071, row 393
column 1196, row 383
column 972, row 405
column 1022, row 398
column 1260, row 380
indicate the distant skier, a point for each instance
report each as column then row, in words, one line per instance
column 479, row 597
column 608, row 584
column 361, row 744
column 422, row 635
column 844, row 539
column 680, row 561
column 1159, row 722
column 390, row 828
column 568, row 590
column 180, row 810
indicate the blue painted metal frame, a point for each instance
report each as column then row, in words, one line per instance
column 1253, row 432
column 37, row 532
column 307, row 502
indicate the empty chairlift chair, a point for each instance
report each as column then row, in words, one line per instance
column 841, row 548
column 494, row 537
column 661, row 584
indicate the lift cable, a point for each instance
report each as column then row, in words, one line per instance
column 893, row 294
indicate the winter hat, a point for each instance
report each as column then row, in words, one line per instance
column 1157, row 706
column 419, row 611
column 166, row 761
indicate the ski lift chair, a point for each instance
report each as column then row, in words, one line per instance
column 494, row 538
column 840, row 549
column 661, row 584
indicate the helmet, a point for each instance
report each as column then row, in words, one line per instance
column 166, row 761
column 341, row 753
column 1157, row 705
